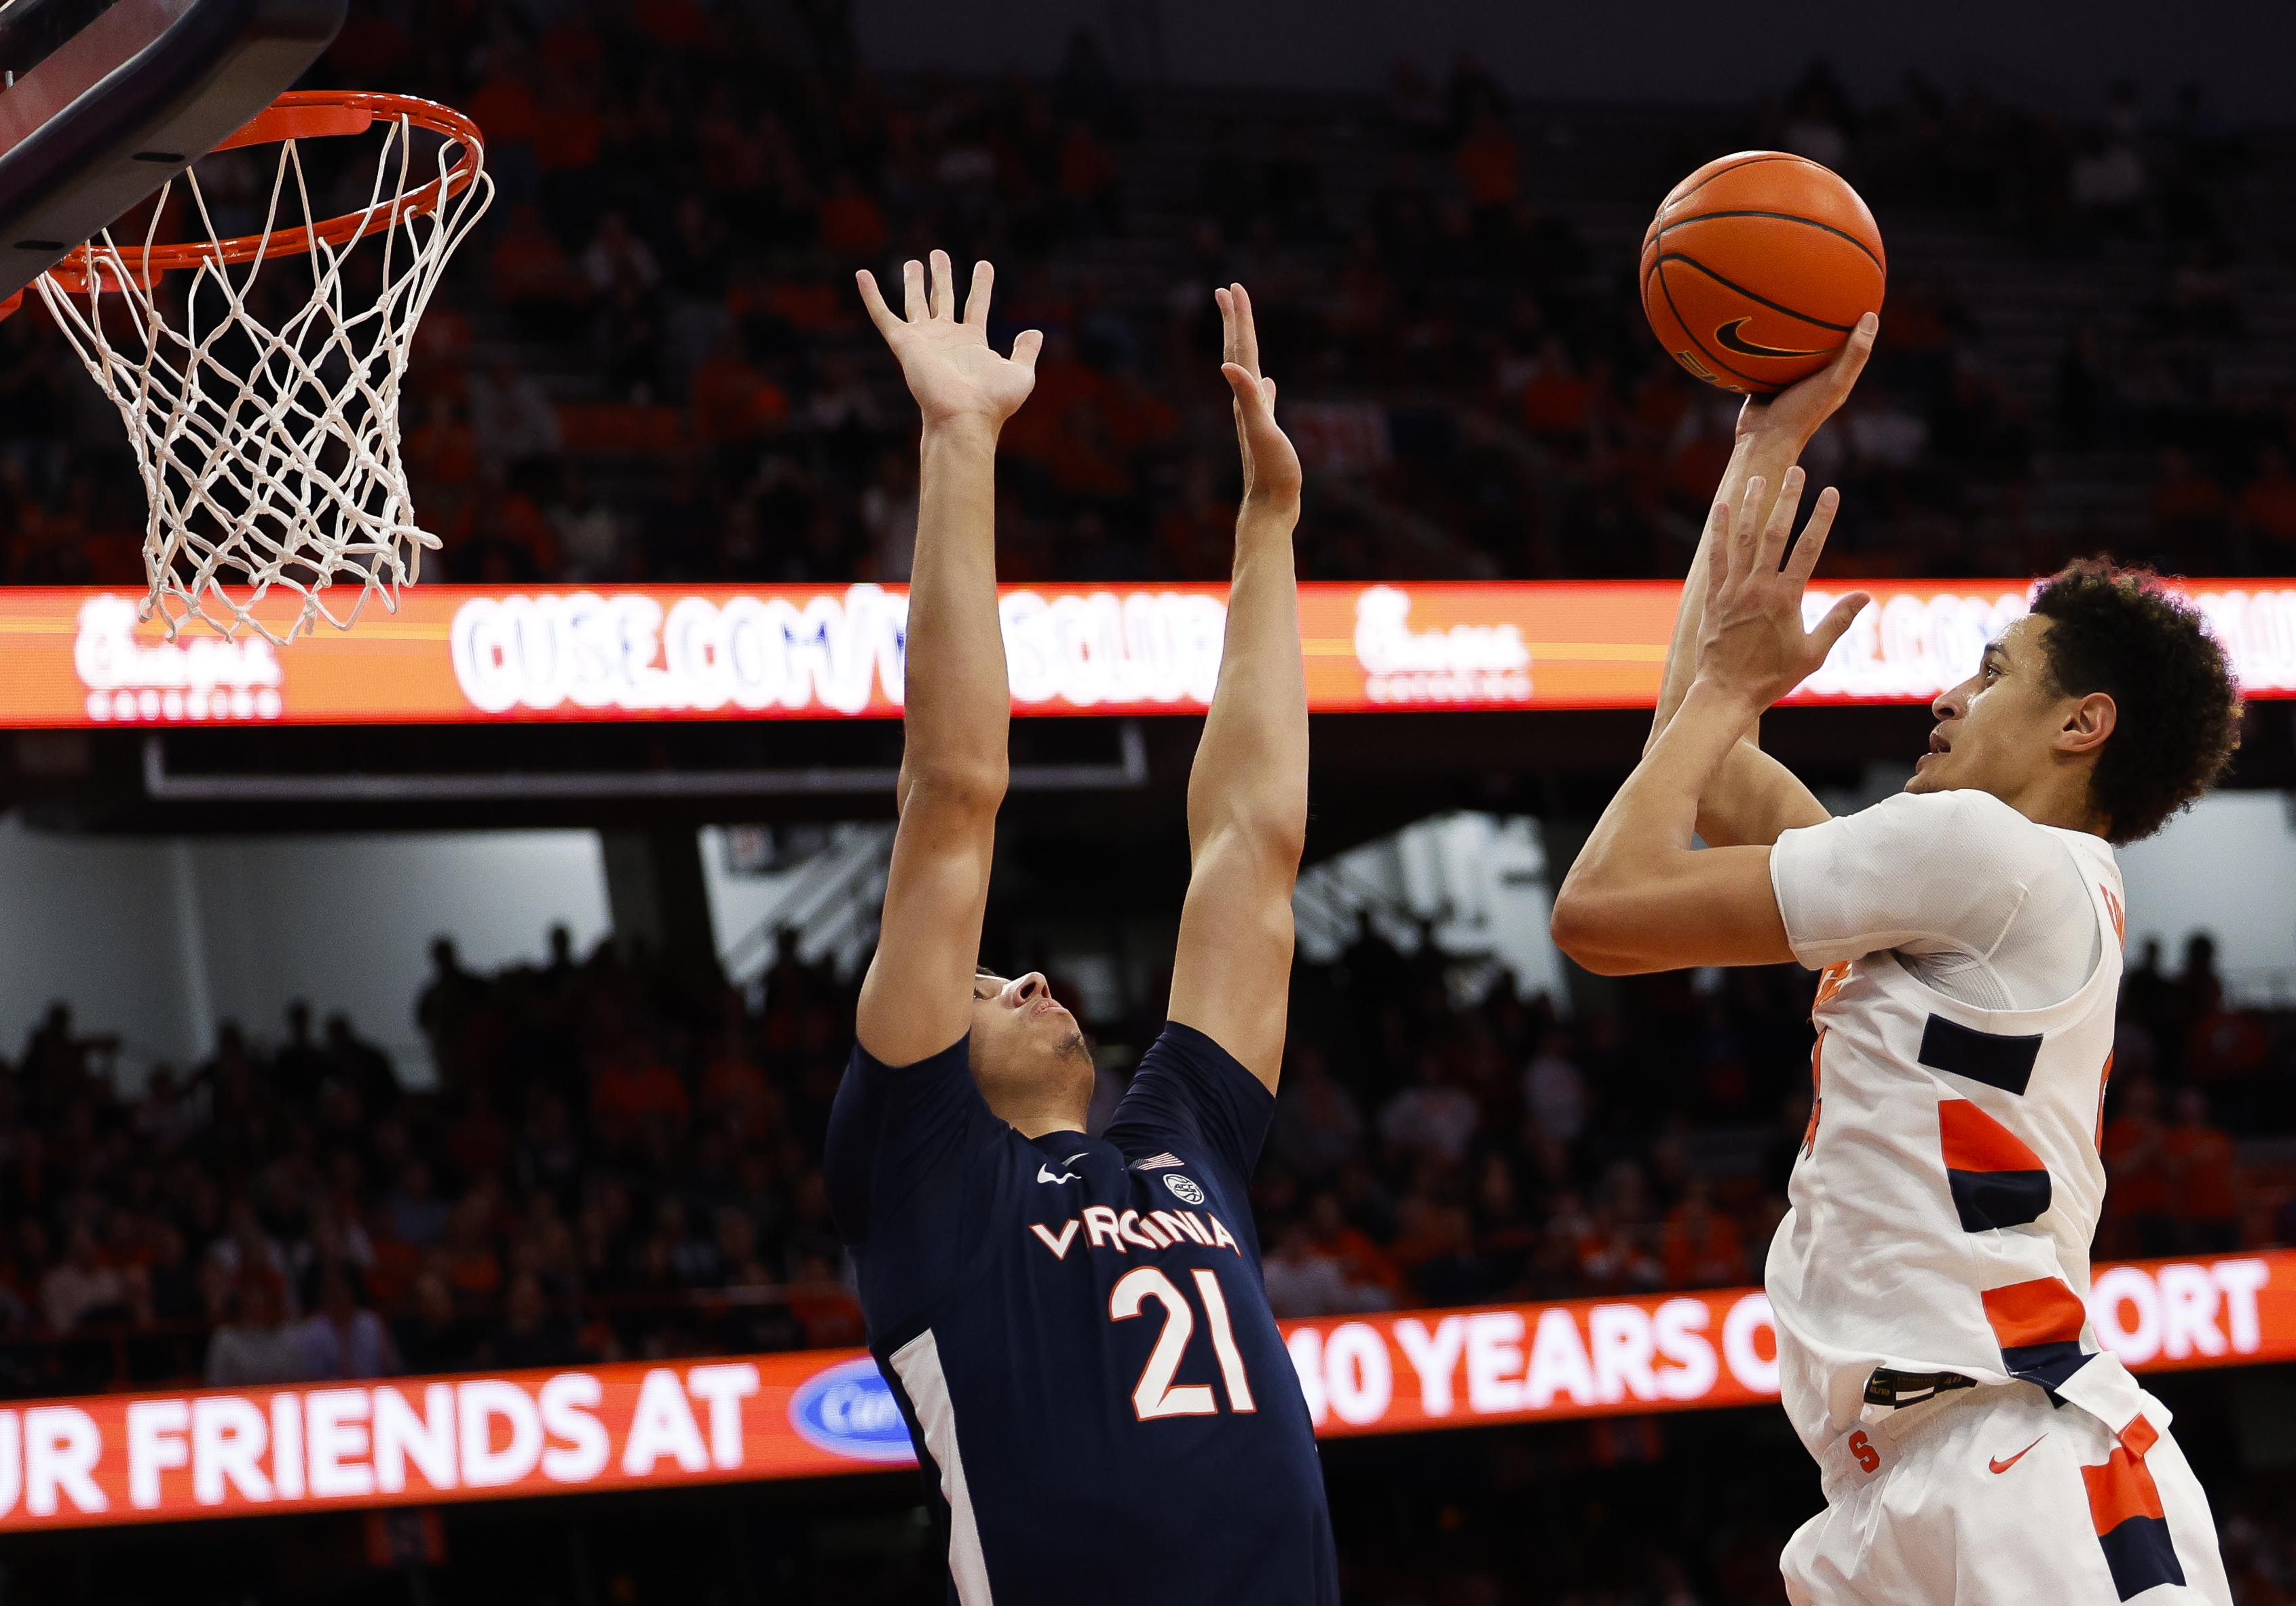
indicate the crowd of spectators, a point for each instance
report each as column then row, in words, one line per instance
column 615, row 1160
column 650, row 364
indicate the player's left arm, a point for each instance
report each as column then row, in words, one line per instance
column 1248, row 792
column 1642, row 896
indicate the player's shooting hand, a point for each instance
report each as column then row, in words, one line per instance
column 1754, row 644
column 946, row 360
column 1271, row 468
column 1796, row 411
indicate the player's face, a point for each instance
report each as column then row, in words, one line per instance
column 1028, row 1053
column 1997, row 732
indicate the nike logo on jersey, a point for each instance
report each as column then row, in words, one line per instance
column 1045, row 1173
column 2003, row 1466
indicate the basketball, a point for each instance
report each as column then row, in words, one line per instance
column 1756, row 267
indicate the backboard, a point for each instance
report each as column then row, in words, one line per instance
column 102, row 102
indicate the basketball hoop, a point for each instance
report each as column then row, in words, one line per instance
column 269, row 445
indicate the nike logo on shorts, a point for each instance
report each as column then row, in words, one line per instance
column 2003, row 1466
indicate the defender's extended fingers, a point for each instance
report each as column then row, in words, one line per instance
column 913, row 290
column 1025, row 347
column 1254, row 396
column 944, row 286
column 873, row 300
column 976, row 303
column 1226, row 305
column 1772, row 552
column 1247, row 337
column 1803, row 563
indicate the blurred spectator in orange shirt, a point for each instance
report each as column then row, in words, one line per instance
column 2205, row 1172
column 1699, row 1246
column 2139, row 1218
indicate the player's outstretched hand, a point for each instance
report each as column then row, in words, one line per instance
column 1797, row 411
column 1754, row 643
column 1271, row 468
column 947, row 359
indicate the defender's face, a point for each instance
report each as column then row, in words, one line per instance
column 1998, row 730
column 1026, row 1046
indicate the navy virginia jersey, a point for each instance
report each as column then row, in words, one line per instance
column 1079, row 1337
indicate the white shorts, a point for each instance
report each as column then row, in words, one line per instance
column 1991, row 1497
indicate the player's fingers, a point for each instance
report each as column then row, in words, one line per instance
column 1803, row 563
column 1025, row 347
column 1849, row 362
column 944, row 286
column 1247, row 335
column 1772, row 551
column 1268, row 395
column 1226, row 305
column 1836, row 623
column 1718, row 543
column 1250, row 399
column 976, row 303
column 1744, row 524
column 873, row 300
column 913, row 290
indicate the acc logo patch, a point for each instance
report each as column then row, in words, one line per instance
column 1184, row 1189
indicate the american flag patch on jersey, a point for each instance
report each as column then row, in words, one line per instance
column 1158, row 1162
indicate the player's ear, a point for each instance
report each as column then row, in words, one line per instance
column 2091, row 720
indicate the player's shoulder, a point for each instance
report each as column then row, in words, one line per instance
column 1963, row 833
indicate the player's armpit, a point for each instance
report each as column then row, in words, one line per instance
column 1232, row 975
column 917, row 997
column 1683, row 907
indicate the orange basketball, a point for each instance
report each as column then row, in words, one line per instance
column 1757, row 266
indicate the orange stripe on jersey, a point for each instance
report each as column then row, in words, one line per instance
column 2044, row 1311
column 2120, row 1489
column 2104, row 1086
column 1974, row 1141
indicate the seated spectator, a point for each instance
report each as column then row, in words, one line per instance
column 343, row 1339
column 531, row 1333
column 1699, row 1246
column 824, row 1305
column 1431, row 1117
column 2140, row 1194
column 1303, row 1280
column 2204, row 1176
column 82, row 1287
column 258, row 1345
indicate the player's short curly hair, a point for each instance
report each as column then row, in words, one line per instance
column 2120, row 631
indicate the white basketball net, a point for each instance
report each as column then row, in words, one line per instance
column 270, row 455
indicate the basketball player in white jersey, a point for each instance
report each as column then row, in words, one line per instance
column 1974, row 1445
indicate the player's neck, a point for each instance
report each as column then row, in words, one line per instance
column 1036, row 1123
column 2060, row 799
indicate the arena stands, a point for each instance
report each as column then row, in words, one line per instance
column 620, row 1160
column 653, row 367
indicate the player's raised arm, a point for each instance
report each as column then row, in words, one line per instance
column 1248, row 793
column 1752, row 797
column 916, row 999
column 1641, row 897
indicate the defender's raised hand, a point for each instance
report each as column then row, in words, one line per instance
column 1753, row 642
column 946, row 360
column 1271, row 468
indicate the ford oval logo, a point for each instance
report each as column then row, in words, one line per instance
column 848, row 1411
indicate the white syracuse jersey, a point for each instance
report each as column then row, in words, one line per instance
column 1948, row 1186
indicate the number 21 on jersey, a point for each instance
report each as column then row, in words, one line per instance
column 1156, row 1394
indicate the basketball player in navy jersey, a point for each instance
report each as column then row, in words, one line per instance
column 1076, row 1327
